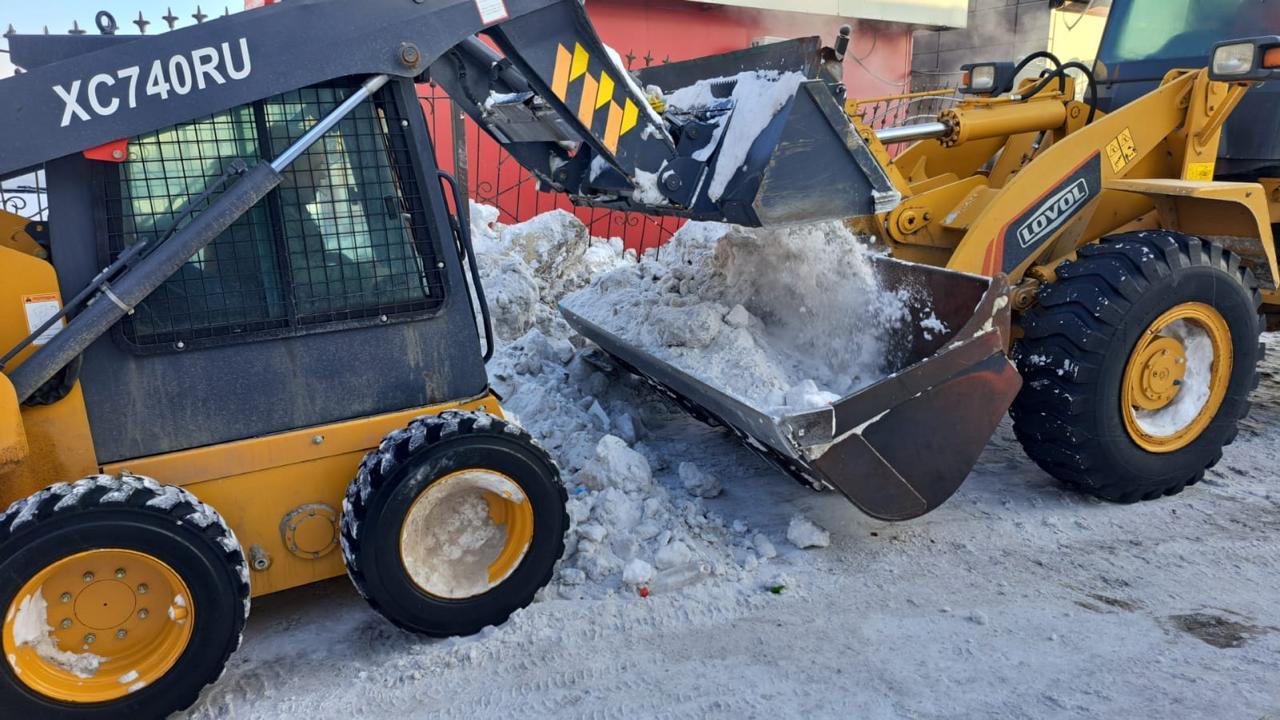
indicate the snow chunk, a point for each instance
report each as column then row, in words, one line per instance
column 31, row 628
column 637, row 572
column 804, row 534
column 699, row 483
column 617, row 465
column 673, row 555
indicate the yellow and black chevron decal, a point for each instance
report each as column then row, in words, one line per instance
column 593, row 93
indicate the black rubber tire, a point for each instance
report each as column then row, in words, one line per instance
column 1077, row 345
column 392, row 477
column 132, row 513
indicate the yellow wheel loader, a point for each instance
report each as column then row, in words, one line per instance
column 1135, row 276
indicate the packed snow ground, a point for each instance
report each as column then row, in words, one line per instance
column 1015, row 599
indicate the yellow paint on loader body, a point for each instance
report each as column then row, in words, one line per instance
column 13, row 434
column 1023, row 184
column 255, row 484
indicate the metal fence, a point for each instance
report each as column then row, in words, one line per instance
column 922, row 105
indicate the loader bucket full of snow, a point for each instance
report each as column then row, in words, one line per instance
column 897, row 448
column 764, row 141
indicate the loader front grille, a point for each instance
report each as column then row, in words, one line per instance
column 343, row 241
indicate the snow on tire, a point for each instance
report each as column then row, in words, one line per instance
column 453, row 523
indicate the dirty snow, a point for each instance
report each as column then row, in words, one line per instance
column 452, row 540
column 714, row 305
column 758, row 96
column 1017, row 598
column 31, row 629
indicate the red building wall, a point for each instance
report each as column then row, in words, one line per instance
column 653, row 32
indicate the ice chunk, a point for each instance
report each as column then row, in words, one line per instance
column 804, row 534
column 699, row 483
column 637, row 572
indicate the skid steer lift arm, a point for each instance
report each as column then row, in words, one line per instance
column 533, row 74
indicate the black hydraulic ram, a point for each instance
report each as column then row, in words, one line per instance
column 115, row 301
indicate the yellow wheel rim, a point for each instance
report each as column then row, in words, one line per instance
column 1177, row 378
column 97, row 626
column 466, row 534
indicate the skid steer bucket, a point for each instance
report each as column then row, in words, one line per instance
column 898, row 448
column 761, row 140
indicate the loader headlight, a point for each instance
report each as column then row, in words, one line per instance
column 1234, row 60
column 1253, row 59
column 982, row 77
column 992, row 78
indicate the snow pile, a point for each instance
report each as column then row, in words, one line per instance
column 758, row 96
column 637, row 521
column 716, row 304
column 525, row 267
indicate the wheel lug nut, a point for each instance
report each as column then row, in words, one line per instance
column 90, row 639
column 88, row 577
column 142, row 589
column 66, row 623
column 143, row 613
column 120, row 573
column 65, row 597
column 121, row 634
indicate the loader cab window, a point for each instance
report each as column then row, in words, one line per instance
column 1140, row 30
column 342, row 241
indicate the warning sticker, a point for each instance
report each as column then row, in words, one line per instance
column 40, row 308
column 1122, row 151
column 1202, row 172
column 491, row 11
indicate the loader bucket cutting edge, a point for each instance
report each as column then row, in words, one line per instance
column 900, row 447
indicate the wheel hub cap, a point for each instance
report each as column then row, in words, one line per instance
column 1163, row 365
column 98, row 625
column 1177, row 378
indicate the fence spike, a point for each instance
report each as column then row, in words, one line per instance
column 76, row 29
column 171, row 19
column 200, row 17
column 142, row 23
